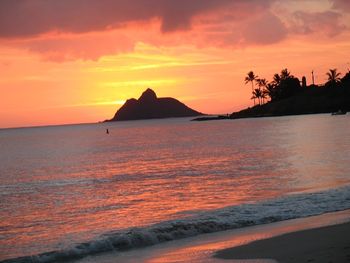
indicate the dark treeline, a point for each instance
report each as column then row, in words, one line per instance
column 285, row 85
column 285, row 94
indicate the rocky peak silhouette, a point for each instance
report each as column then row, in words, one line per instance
column 148, row 106
column 148, row 95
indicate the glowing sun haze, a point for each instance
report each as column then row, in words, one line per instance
column 78, row 61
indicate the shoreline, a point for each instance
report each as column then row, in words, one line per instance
column 323, row 244
column 224, row 117
column 202, row 248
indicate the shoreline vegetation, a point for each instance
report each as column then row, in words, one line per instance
column 287, row 95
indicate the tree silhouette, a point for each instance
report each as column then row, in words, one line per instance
column 270, row 91
column 333, row 77
column 285, row 74
column 282, row 86
column 286, row 94
column 257, row 94
column 346, row 81
column 276, row 79
column 262, row 84
column 251, row 78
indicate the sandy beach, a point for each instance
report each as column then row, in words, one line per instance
column 202, row 248
column 325, row 244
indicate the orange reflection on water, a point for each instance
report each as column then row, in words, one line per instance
column 70, row 184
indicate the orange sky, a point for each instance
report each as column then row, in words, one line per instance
column 78, row 61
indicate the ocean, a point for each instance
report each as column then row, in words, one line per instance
column 71, row 191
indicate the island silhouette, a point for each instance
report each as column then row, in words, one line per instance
column 149, row 106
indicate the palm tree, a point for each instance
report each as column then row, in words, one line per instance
column 276, row 79
column 263, row 96
column 251, row 78
column 333, row 76
column 262, row 84
column 285, row 74
column 257, row 94
column 270, row 91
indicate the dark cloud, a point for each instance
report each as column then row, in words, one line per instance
column 341, row 5
column 93, row 28
column 25, row 18
column 328, row 22
column 265, row 29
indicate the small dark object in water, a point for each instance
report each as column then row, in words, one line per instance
column 339, row 112
column 210, row 118
column 107, row 131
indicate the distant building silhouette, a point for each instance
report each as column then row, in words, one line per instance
column 303, row 82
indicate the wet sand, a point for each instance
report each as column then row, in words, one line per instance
column 325, row 244
column 202, row 248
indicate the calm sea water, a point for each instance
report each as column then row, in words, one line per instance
column 74, row 190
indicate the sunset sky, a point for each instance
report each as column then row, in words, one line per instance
column 78, row 61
